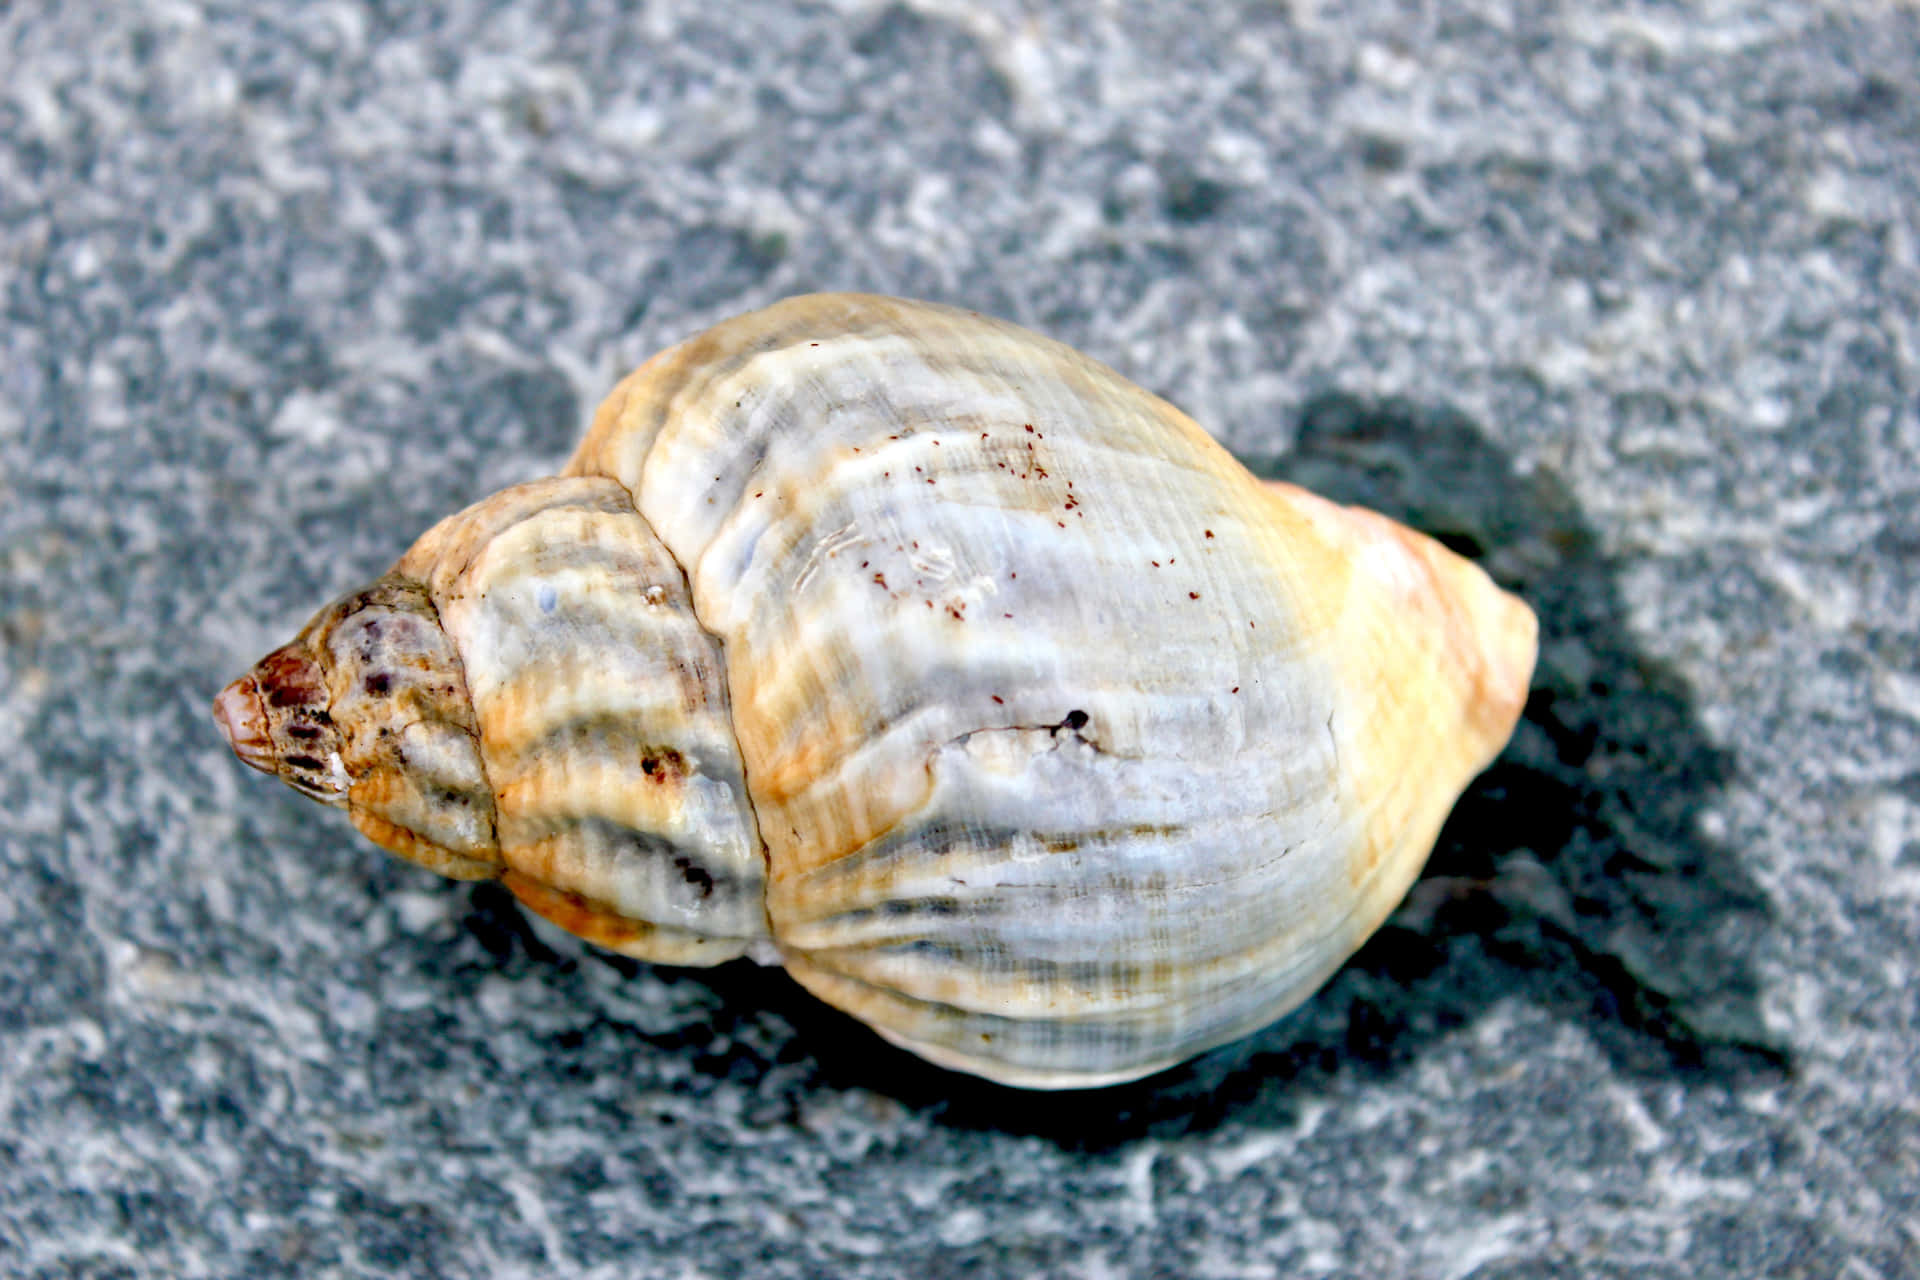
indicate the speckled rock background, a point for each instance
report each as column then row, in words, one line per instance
column 1620, row 297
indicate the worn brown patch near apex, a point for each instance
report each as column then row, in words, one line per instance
column 287, row 677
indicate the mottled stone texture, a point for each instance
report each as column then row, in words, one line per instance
column 1620, row 298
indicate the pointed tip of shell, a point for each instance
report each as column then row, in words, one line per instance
column 243, row 723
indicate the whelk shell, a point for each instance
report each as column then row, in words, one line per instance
column 933, row 660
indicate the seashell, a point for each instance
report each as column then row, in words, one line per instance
column 934, row 661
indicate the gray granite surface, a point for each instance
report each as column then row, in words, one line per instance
column 1620, row 297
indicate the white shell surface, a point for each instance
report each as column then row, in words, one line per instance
column 1075, row 748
